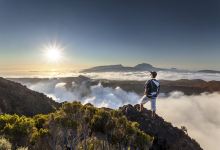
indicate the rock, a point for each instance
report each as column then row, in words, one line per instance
column 165, row 135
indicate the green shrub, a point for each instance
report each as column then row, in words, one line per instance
column 15, row 125
column 40, row 120
column 100, row 121
column 97, row 124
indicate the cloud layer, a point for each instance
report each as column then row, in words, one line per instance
column 162, row 75
column 138, row 76
column 200, row 114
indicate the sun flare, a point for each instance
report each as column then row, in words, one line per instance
column 53, row 52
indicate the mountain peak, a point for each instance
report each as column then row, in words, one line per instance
column 144, row 66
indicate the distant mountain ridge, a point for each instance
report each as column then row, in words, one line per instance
column 121, row 68
column 208, row 71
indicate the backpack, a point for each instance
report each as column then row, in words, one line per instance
column 153, row 87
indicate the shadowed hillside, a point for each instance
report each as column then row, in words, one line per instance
column 16, row 98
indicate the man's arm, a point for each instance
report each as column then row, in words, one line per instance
column 145, row 91
column 158, row 91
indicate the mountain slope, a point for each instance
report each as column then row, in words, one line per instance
column 16, row 98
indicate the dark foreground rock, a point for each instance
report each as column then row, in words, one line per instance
column 166, row 136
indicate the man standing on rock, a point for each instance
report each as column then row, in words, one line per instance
column 151, row 91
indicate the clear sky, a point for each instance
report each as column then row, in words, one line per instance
column 165, row 33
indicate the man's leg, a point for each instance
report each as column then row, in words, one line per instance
column 142, row 107
column 153, row 106
column 144, row 100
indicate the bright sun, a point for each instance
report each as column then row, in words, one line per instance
column 53, row 52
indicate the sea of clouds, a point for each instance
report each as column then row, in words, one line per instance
column 199, row 113
column 98, row 95
column 137, row 76
column 162, row 75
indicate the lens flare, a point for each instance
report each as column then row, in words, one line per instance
column 53, row 52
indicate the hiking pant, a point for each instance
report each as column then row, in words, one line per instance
column 145, row 99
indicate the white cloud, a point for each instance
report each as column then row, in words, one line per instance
column 200, row 114
column 108, row 97
column 163, row 75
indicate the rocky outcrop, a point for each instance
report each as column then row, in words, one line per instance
column 166, row 137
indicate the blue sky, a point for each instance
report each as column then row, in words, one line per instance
column 182, row 34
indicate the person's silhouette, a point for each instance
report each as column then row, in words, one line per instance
column 151, row 91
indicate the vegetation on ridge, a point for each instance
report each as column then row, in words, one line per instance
column 74, row 126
